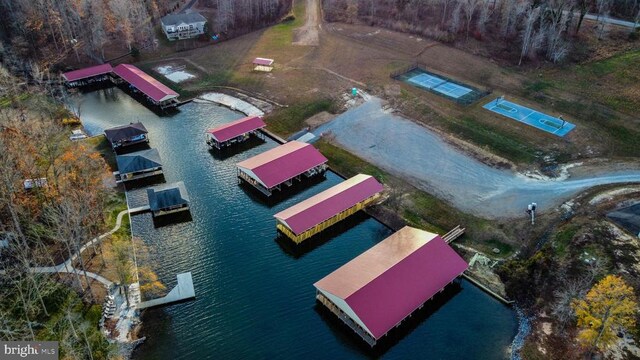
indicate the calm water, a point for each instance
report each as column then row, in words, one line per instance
column 254, row 299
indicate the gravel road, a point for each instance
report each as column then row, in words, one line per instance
column 420, row 156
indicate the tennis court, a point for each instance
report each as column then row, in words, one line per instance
column 530, row 117
column 439, row 84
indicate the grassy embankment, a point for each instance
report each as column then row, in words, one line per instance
column 416, row 207
column 506, row 144
column 607, row 98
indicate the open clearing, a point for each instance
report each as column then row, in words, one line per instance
column 363, row 56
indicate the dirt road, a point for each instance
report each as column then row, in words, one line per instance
column 413, row 152
column 307, row 35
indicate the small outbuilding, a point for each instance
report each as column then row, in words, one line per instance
column 311, row 216
column 168, row 198
column 127, row 135
column 263, row 64
column 377, row 290
column 183, row 26
column 138, row 165
column 281, row 166
column 235, row 132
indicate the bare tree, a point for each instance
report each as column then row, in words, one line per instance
column 603, row 7
column 445, row 6
column 456, row 18
column 483, row 18
column 469, row 7
column 531, row 17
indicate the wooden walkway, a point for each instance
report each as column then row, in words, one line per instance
column 139, row 210
column 455, row 233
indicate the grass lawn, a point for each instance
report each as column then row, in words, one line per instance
column 286, row 121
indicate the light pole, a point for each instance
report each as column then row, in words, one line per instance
column 531, row 210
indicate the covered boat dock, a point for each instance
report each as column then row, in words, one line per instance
column 154, row 91
column 376, row 291
column 281, row 166
column 168, row 199
column 235, row 132
column 327, row 208
column 138, row 165
column 88, row 76
column 126, row 135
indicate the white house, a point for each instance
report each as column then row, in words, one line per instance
column 183, row 26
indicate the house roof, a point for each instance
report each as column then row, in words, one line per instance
column 144, row 82
column 87, row 72
column 282, row 163
column 124, row 132
column 237, row 128
column 386, row 283
column 263, row 61
column 167, row 195
column 138, row 161
column 311, row 212
column 177, row 19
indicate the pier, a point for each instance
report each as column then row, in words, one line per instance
column 182, row 291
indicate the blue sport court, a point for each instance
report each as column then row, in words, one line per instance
column 530, row 117
column 439, row 84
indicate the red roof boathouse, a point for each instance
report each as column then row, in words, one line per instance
column 377, row 290
column 282, row 165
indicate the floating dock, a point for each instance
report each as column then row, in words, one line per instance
column 327, row 208
column 181, row 292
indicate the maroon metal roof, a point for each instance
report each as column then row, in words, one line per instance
column 144, row 82
column 388, row 282
column 311, row 212
column 280, row 164
column 263, row 61
column 237, row 128
column 87, row 72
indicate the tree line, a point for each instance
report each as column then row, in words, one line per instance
column 243, row 16
column 49, row 31
column 541, row 27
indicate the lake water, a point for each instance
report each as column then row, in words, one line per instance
column 254, row 298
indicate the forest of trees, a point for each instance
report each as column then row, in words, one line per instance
column 246, row 15
column 42, row 225
column 541, row 28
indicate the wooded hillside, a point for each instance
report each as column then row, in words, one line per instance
column 546, row 29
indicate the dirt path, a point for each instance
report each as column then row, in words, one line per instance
column 307, row 35
column 419, row 155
